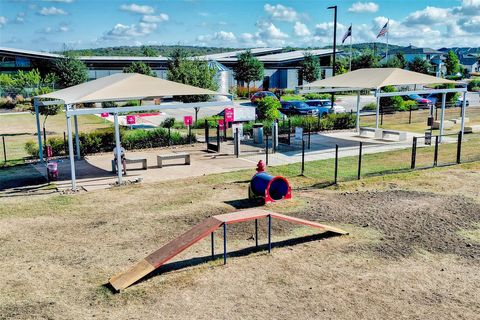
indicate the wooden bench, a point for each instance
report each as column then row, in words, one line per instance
column 367, row 132
column 398, row 135
column 171, row 156
column 472, row 129
column 143, row 161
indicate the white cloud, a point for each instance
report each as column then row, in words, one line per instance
column 225, row 36
column 267, row 31
column 325, row 29
column 361, row 7
column 121, row 31
column 428, row 16
column 60, row 1
column 470, row 24
column 301, row 30
column 20, row 17
column 135, row 8
column 52, row 11
column 162, row 17
column 3, row 21
column 280, row 12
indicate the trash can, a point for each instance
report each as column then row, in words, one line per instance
column 428, row 138
column 52, row 171
column 258, row 133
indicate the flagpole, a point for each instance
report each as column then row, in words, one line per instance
column 388, row 31
column 351, row 36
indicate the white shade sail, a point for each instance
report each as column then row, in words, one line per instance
column 122, row 87
column 375, row 78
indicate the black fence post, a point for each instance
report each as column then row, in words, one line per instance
column 336, row 163
column 435, row 155
column 459, row 148
column 289, row 130
column 218, row 138
column 359, row 174
column 309, row 132
column 410, row 115
column 303, row 157
column 266, row 149
column 189, row 134
column 224, row 127
column 44, row 141
column 414, row 153
column 381, row 116
column 4, row 149
column 65, row 147
column 169, row 140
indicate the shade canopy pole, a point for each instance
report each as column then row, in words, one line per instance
column 377, row 112
column 77, row 139
column 39, row 130
column 117, row 148
column 358, row 111
column 464, row 106
column 70, row 150
column 442, row 116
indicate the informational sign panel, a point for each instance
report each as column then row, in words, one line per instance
column 104, row 114
column 130, row 119
column 298, row 133
column 238, row 126
column 244, row 114
column 229, row 114
column 188, row 120
column 221, row 123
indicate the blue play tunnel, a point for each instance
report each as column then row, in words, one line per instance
column 271, row 188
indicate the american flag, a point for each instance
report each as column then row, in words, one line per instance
column 347, row 34
column 383, row 31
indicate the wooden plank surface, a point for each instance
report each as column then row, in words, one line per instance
column 243, row 215
column 307, row 223
column 129, row 277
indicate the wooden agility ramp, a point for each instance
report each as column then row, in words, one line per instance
column 200, row 231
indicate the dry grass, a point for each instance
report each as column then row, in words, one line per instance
column 59, row 250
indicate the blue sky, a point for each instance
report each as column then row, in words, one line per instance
column 48, row 25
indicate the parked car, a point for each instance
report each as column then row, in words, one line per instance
column 422, row 102
column 325, row 103
column 436, row 99
column 290, row 108
column 262, row 94
column 459, row 102
column 322, row 109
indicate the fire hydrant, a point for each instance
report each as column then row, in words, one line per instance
column 261, row 166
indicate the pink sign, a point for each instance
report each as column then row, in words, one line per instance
column 104, row 114
column 188, row 120
column 130, row 119
column 220, row 123
column 229, row 114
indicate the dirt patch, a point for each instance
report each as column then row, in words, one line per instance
column 408, row 220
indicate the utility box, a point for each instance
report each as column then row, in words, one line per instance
column 258, row 133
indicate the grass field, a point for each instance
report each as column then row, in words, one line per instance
column 412, row 252
column 20, row 128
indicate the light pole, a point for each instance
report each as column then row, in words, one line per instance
column 334, row 44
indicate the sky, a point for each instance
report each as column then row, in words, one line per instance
column 51, row 25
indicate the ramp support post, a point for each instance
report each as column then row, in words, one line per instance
column 224, row 243
column 269, row 233
column 213, row 247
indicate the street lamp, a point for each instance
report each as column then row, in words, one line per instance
column 334, row 44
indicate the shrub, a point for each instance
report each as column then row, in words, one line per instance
column 290, row 97
column 23, row 107
column 212, row 122
column 268, row 108
column 315, row 96
column 410, row 105
column 7, row 103
column 372, row 106
column 395, row 103
column 132, row 103
column 168, row 122
column 57, row 144
column 289, row 91
column 474, row 85
column 242, row 92
column 109, row 104
column 31, row 147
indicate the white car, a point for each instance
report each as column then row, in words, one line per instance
column 336, row 108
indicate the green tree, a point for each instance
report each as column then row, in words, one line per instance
column 393, row 62
column 192, row 72
column 402, row 60
column 452, row 63
column 139, row 67
column 419, row 65
column 341, row 66
column 391, row 103
column 248, row 69
column 70, row 71
column 365, row 60
column 149, row 51
column 310, row 68
column 268, row 108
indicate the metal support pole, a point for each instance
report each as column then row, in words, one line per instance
column 377, row 113
column 442, row 115
column 464, row 106
column 435, row 155
column 77, row 139
column 4, row 149
column 309, row 136
column 414, row 153
column 459, row 148
column 381, row 116
column 303, row 157
column 266, row 149
column 359, row 174
column 65, row 142
column 410, row 115
column 218, row 138
column 189, row 134
column 289, row 130
column 70, row 153
column 224, row 243
column 118, row 147
column 213, row 244
column 256, row 233
column 336, row 163
column 39, row 133
column 269, row 233
column 358, row 111
column 236, row 141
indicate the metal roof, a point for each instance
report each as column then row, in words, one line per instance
column 294, row 55
column 122, row 58
column 233, row 54
column 30, row 53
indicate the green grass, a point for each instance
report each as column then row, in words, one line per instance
column 472, row 234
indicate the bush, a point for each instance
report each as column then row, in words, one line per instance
column 168, row 122
column 132, row 103
column 474, row 85
column 268, row 108
column 242, row 92
column 389, row 104
column 57, row 144
column 372, row 106
column 212, row 122
column 109, row 104
column 315, row 96
column 31, row 147
column 290, row 97
column 410, row 105
column 7, row 103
